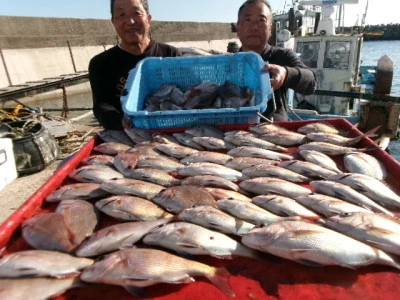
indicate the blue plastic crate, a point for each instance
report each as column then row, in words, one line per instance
column 242, row 69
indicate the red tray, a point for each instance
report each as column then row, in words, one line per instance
column 250, row 279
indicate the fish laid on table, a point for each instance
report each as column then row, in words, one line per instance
column 130, row 208
column 175, row 150
column 247, row 211
column 215, row 219
column 314, row 245
column 127, row 186
column 95, row 174
column 116, row 237
column 241, row 163
column 48, row 232
column 219, row 194
column 307, row 169
column 164, row 138
column 378, row 231
column 99, row 159
column 81, row 218
column 270, row 185
column 115, row 136
column 320, row 159
column 206, row 156
column 336, row 139
column 36, row 288
column 206, row 168
column 285, row 207
column 187, row 140
column 284, row 138
column 347, row 193
column 111, row 148
column 363, row 163
column 138, row 135
column 138, row 267
column 212, row 143
column 188, row 238
column 125, row 162
column 252, row 141
column 84, row 191
column 318, row 127
column 245, row 151
column 145, row 148
column 153, row 175
column 160, row 162
column 275, row 171
column 41, row 263
column 210, row 181
column 370, row 187
column 177, row 198
column 205, row 130
column 330, row 149
column 262, row 128
column 329, row 206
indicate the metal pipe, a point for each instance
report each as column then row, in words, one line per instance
column 5, row 67
column 72, row 56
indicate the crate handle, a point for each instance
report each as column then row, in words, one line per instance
column 3, row 151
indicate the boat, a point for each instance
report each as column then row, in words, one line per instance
column 334, row 54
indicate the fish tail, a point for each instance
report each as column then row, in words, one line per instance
column 220, row 278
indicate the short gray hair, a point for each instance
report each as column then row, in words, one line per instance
column 248, row 2
column 145, row 4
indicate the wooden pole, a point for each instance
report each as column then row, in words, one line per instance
column 384, row 76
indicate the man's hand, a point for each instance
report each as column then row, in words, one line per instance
column 277, row 74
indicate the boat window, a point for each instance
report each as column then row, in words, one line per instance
column 337, row 55
column 308, row 53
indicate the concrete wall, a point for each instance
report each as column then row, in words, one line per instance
column 36, row 48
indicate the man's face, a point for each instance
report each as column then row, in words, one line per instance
column 131, row 22
column 254, row 27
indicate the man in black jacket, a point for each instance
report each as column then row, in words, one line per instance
column 285, row 68
column 108, row 71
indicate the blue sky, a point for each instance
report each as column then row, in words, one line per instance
column 380, row 11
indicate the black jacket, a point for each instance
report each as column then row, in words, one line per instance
column 300, row 78
column 108, row 72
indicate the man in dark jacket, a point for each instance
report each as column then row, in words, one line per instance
column 285, row 68
column 109, row 70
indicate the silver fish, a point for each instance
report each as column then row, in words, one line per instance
column 94, row 174
column 210, row 181
column 99, row 159
column 41, row 263
column 241, row 163
column 213, row 144
column 245, row 151
column 334, row 138
column 206, row 156
column 144, row 267
column 188, row 238
column 330, row 149
column 115, row 136
column 84, row 191
column 205, row 130
column 130, row 208
column 116, row 237
column 219, row 194
column 378, row 231
column 285, row 207
column 312, row 244
column 247, row 211
column 347, row 193
column 175, row 199
column 251, row 141
column 307, row 169
column 138, row 135
column 145, row 148
column 111, row 148
column 175, row 150
column 164, row 138
column 81, row 218
column 125, row 162
column 269, row 185
column 329, row 206
column 187, row 140
column 275, row 171
column 48, row 232
column 370, row 187
column 153, row 175
column 318, row 127
column 321, row 159
column 127, row 186
column 262, row 128
column 284, row 138
column 363, row 163
column 160, row 162
column 36, row 288
column 205, row 168
column 215, row 219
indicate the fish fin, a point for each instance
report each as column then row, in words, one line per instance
column 220, row 278
column 136, row 291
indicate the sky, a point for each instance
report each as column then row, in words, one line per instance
column 225, row 11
